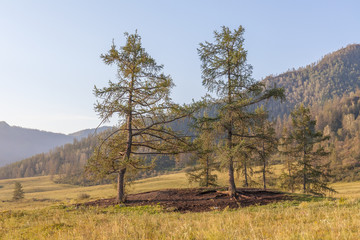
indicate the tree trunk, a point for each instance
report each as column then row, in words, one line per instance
column 232, row 187
column 207, row 172
column 264, row 163
column 120, row 198
column 304, row 179
column 291, row 181
column 305, row 170
column 246, row 184
column 264, row 175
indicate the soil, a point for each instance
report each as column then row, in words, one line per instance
column 197, row 199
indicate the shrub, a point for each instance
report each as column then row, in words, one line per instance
column 18, row 192
column 83, row 196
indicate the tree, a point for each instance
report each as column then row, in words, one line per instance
column 226, row 73
column 18, row 192
column 265, row 146
column 287, row 178
column 305, row 147
column 140, row 98
column 204, row 154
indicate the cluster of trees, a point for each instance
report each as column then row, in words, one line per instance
column 338, row 118
column 229, row 139
column 229, row 128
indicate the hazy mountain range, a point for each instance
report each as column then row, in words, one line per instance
column 17, row 143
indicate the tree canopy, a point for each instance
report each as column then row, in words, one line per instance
column 140, row 98
column 226, row 73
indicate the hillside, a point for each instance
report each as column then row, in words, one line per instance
column 86, row 132
column 67, row 161
column 335, row 75
column 17, row 143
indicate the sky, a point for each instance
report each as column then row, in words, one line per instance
column 50, row 50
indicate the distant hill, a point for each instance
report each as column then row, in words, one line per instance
column 85, row 133
column 335, row 75
column 17, row 143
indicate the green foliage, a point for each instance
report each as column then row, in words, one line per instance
column 265, row 146
column 226, row 73
column 304, row 146
column 18, row 193
column 140, row 98
column 204, row 154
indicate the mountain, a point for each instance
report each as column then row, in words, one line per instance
column 86, row 132
column 335, row 75
column 17, row 143
column 67, row 159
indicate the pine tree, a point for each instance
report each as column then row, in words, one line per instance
column 18, row 192
column 141, row 100
column 204, row 154
column 287, row 178
column 226, row 73
column 266, row 144
column 306, row 148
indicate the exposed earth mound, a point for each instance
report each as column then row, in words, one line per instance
column 197, row 199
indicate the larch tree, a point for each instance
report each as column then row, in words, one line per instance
column 266, row 145
column 287, row 177
column 204, row 153
column 140, row 98
column 226, row 73
column 18, row 192
column 306, row 148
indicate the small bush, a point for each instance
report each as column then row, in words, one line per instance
column 83, row 196
column 18, row 192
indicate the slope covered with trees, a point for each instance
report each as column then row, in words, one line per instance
column 66, row 160
column 335, row 75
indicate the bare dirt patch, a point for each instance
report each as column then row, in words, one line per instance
column 197, row 199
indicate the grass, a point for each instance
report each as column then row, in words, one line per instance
column 46, row 213
column 308, row 220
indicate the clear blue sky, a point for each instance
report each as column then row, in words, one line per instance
column 49, row 50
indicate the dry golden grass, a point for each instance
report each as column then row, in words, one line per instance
column 308, row 220
column 46, row 213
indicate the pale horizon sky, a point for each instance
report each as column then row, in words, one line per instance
column 49, row 50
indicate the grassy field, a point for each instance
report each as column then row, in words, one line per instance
column 46, row 213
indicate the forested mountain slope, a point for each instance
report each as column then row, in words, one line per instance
column 335, row 75
column 67, row 160
column 17, row 143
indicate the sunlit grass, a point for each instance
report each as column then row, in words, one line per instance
column 309, row 220
column 42, row 191
column 47, row 213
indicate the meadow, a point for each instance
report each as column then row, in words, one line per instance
column 47, row 213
